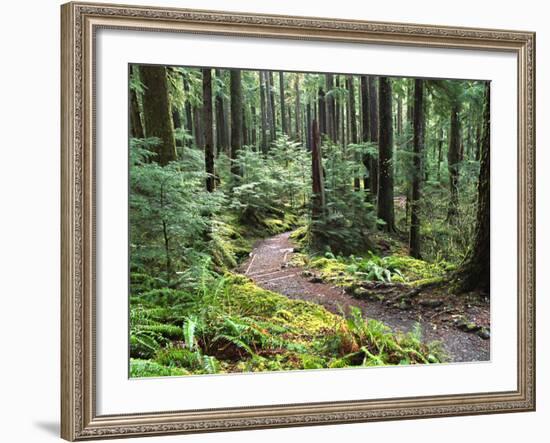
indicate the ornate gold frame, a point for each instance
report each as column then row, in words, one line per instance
column 79, row 23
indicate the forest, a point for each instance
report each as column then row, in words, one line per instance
column 290, row 220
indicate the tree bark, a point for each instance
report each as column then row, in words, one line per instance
column 365, row 133
column 270, row 109
column 136, row 127
column 475, row 272
column 208, row 128
column 353, row 127
column 236, row 119
column 297, row 108
column 318, row 188
column 453, row 158
column 156, row 110
column 282, row 99
column 272, row 106
column 221, row 126
column 263, row 111
column 321, row 112
column 385, row 163
column 373, row 125
column 330, row 124
column 188, row 111
column 418, row 149
column 309, row 141
column 439, row 154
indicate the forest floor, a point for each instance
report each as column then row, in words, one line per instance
column 440, row 315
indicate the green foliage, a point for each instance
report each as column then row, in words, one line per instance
column 170, row 212
column 352, row 270
column 350, row 217
column 148, row 368
column 369, row 342
column 233, row 325
column 261, row 197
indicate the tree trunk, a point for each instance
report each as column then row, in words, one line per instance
column 453, row 158
column 478, row 142
column 373, row 125
column 263, row 111
column 197, row 126
column 353, row 127
column 254, row 133
column 365, row 133
column 236, row 119
column 156, row 110
column 297, row 108
column 272, row 106
column 475, row 272
column 309, row 141
column 337, row 112
column 330, row 124
column 321, row 113
column 439, row 154
column 418, row 149
column 176, row 118
column 188, row 112
column 136, row 127
column 208, row 128
column 270, row 109
column 318, row 188
column 282, row 99
column 385, row 163
column 221, row 126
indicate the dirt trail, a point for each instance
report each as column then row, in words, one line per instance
column 268, row 267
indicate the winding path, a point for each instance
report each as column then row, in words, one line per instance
column 268, row 266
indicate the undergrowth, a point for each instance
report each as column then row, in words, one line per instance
column 353, row 270
column 228, row 324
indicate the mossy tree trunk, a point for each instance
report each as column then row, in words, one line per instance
column 475, row 272
column 385, row 162
column 418, row 150
column 157, row 112
column 208, row 126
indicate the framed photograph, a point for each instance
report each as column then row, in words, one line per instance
column 277, row 221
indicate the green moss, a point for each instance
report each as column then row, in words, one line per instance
column 239, row 326
column 228, row 245
column 300, row 237
column 148, row 368
column 295, row 315
column 352, row 271
column 329, row 267
column 414, row 269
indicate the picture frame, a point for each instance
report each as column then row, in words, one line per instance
column 80, row 24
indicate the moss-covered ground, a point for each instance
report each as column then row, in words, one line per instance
column 231, row 325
